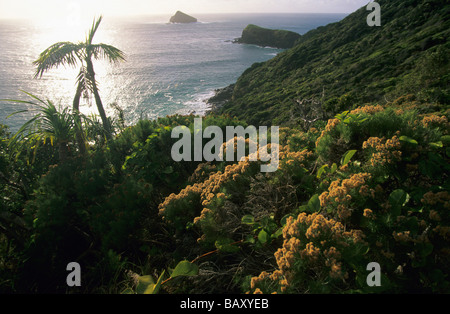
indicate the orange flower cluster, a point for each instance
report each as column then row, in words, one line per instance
column 215, row 181
column 368, row 213
column 315, row 240
column 404, row 236
column 443, row 231
column 367, row 109
column 435, row 121
column 387, row 151
column 332, row 123
column 185, row 193
column 433, row 199
column 202, row 172
column 339, row 193
column 206, row 189
column 296, row 157
column 440, row 202
column 257, row 280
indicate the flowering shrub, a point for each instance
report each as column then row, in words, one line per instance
column 313, row 247
column 383, row 152
column 368, row 186
column 385, row 203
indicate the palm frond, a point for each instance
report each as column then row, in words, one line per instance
column 85, row 81
column 62, row 53
column 107, row 52
column 93, row 30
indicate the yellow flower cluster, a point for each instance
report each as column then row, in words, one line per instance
column 404, row 236
column 443, row 231
column 215, row 181
column 433, row 199
column 435, row 121
column 322, row 237
column 206, row 189
column 202, row 172
column 295, row 157
column 332, row 123
column 189, row 190
column 257, row 280
column 368, row 213
column 339, row 193
column 367, row 109
column 387, row 151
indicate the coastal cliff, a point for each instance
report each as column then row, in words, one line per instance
column 349, row 63
column 256, row 35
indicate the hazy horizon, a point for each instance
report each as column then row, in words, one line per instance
column 86, row 9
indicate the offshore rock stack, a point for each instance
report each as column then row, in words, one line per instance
column 181, row 17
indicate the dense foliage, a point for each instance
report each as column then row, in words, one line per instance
column 348, row 63
column 356, row 184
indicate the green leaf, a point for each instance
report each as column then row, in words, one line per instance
column 437, row 144
column 146, row 284
column 408, row 140
column 168, row 170
column 248, row 220
column 277, row 233
column 157, row 286
column 397, row 199
column 225, row 245
column 334, row 168
column 314, row 204
column 185, row 268
column 425, row 249
column 342, row 115
column 347, row 157
column 321, row 171
column 303, row 208
column 445, row 140
column 263, row 236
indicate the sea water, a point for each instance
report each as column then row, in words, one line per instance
column 169, row 68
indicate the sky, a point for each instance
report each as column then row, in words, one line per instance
column 81, row 9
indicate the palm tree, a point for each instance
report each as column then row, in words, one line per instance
column 68, row 53
column 48, row 124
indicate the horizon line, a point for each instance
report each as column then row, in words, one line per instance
column 11, row 18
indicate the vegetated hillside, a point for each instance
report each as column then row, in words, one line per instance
column 256, row 35
column 348, row 63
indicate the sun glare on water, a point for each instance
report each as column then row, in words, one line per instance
column 59, row 84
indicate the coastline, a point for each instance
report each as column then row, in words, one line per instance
column 221, row 97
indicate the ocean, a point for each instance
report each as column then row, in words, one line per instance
column 170, row 68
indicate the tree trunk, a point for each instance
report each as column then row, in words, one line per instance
column 78, row 126
column 98, row 101
column 76, row 100
column 63, row 152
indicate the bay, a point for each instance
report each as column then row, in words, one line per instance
column 170, row 68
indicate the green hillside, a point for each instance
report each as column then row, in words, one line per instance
column 348, row 63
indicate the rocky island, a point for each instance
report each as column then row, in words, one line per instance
column 256, row 35
column 181, row 17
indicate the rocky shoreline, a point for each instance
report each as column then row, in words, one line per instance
column 222, row 96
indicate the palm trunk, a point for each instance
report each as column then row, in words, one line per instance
column 98, row 101
column 76, row 100
column 78, row 126
column 63, row 152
